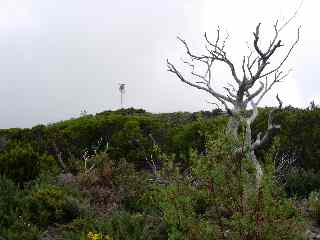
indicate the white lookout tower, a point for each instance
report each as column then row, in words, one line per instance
column 122, row 92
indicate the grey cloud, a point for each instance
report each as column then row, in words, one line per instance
column 71, row 55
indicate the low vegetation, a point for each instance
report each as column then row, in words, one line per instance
column 130, row 174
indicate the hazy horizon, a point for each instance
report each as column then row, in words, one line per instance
column 62, row 57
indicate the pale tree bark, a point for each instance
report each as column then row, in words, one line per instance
column 260, row 71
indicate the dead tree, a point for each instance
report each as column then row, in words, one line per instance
column 260, row 71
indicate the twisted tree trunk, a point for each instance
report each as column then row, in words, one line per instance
column 245, row 89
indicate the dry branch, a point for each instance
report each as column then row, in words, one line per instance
column 255, row 66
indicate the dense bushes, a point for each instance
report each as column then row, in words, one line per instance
column 9, row 200
column 129, row 143
column 298, row 137
column 299, row 182
column 27, row 213
column 127, row 135
column 212, row 197
column 238, row 208
column 13, row 217
column 156, row 176
column 314, row 205
column 190, row 136
column 21, row 163
column 51, row 204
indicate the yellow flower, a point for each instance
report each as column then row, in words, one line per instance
column 98, row 236
column 94, row 236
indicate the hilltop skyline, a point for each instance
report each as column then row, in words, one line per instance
column 60, row 58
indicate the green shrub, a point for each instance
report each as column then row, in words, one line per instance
column 22, row 229
column 178, row 205
column 300, row 183
column 192, row 136
column 13, row 224
column 208, row 193
column 121, row 225
column 130, row 183
column 48, row 204
column 21, row 163
column 217, row 199
column 9, row 200
column 299, row 134
column 314, row 205
column 130, row 143
column 239, row 210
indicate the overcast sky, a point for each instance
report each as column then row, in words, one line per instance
column 59, row 57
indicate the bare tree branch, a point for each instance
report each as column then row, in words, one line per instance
column 271, row 128
column 285, row 57
column 255, row 66
column 292, row 17
column 223, row 99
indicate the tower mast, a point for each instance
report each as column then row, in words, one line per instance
column 122, row 92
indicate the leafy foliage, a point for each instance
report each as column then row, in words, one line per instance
column 22, row 163
column 314, row 205
column 9, row 199
column 154, row 176
column 300, row 182
column 48, row 203
column 239, row 209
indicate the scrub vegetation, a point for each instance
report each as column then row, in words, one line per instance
column 129, row 174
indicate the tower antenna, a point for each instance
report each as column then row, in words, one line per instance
column 122, row 92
